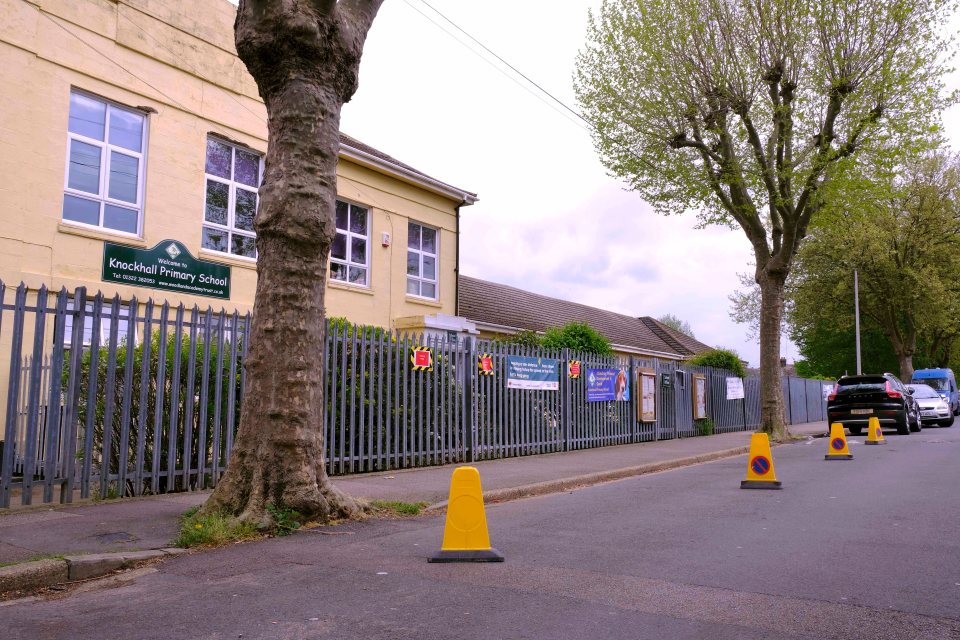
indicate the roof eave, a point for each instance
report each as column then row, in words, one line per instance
column 371, row 161
column 500, row 328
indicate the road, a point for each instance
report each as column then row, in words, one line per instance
column 866, row 548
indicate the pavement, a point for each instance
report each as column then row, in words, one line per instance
column 53, row 544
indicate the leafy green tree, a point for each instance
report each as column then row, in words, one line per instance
column 827, row 347
column 576, row 336
column 676, row 323
column 744, row 111
column 720, row 359
column 901, row 233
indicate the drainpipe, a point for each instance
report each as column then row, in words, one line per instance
column 456, row 302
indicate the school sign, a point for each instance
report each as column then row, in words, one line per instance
column 167, row 266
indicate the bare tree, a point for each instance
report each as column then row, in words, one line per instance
column 743, row 109
column 305, row 57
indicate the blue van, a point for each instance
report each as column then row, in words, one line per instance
column 943, row 381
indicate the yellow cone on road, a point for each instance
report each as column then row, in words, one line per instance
column 838, row 449
column 874, row 432
column 760, row 473
column 465, row 535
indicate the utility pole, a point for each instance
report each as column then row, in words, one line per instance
column 856, row 315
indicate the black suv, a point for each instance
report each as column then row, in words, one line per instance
column 856, row 399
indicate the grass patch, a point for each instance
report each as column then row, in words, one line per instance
column 211, row 530
column 399, row 509
column 285, row 521
column 46, row 556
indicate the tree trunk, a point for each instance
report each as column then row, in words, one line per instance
column 905, row 346
column 906, row 367
column 304, row 57
column 772, row 420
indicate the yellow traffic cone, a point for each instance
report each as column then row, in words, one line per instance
column 760, row 473
column 465, row 535
column 874, row 433
column 838, row 444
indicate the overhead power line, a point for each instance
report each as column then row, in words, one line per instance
column 498, row 57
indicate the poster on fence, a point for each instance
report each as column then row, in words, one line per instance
column 533, row 373
column 607, row 384
column 699, row 396
column 735, row 389
column 647, row 383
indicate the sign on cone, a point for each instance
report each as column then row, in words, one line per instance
column 874, row 432
column 838, row 449
column 760, row 473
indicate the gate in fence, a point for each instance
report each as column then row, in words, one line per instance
column 116, row 398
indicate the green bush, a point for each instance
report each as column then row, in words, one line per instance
column 356, row 394
column 720, row 359
column 143, row 415
column 705, row 427
column 576, row 336
column 529, row 339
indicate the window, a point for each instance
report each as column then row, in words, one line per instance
column 232, row 179
column 421, row 261
column 123, row 324
column 349, row 258
column 105, row 157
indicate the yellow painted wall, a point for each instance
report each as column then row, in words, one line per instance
column 176, row 59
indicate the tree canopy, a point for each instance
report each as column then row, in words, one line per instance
column 576, row 336
column 901, row 232
column 674, row 322
column 720, row 359
column 744, row 111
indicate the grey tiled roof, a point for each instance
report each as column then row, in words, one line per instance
column 677, row 339
column 499, row 304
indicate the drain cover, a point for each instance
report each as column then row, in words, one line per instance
column 118, row 536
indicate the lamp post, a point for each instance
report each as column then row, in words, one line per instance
column 856, row 315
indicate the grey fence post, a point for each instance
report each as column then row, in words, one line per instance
column 469, row 402
column 789, row 399
column 634, row 381
column 565, row 400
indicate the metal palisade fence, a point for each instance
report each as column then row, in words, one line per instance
column 111, row 398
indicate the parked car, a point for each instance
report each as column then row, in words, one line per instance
column 943, row 381
column 856, row 399
column 934, row 408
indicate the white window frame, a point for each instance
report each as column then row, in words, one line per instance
column 126, row 314
column 102, row 197
column 230, row 228
column 421, row 253
column 347, row 261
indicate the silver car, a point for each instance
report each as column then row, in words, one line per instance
column 933, row 408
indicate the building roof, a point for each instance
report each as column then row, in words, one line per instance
column 364, row 154
column 496, row 307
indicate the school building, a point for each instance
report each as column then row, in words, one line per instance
column 132, row 143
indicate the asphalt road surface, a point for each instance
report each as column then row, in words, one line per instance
column 866, row 548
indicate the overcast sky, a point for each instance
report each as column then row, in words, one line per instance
column 549, row 219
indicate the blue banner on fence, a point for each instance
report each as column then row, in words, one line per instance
column 532, row 373
column 607, row 384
